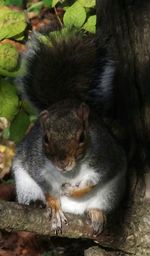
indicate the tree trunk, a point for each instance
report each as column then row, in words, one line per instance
column 123, row 26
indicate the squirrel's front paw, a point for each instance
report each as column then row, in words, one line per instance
column 97, row 219
column 55, row 213
column 37, row 204
column 78, row 190
column 67, row 188
column 71, row 190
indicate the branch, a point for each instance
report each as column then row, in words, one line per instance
column 26, row 218
column 128, row 230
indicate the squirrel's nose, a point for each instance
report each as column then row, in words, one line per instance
column 66, row 164
column 69, row 166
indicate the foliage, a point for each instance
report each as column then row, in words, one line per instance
column 48, row 3
column 9, row 59
column 12, row 23
column 77, row 12
column 7, row 152
column 88, row 3
column 19, row 126
column 9, row 100
column 75, row 15
column 90, row 25
column 11, row 2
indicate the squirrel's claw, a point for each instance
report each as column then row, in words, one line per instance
column 63, row 217
column 57, row 220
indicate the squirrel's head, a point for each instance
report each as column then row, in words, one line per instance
column 65, row 134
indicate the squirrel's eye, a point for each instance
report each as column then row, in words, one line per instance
column 46, row 139
column 82, row 137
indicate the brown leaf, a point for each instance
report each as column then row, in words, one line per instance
column 19, row 46
column 19, row 244
column 4, row 123
column 7, row 192
column 45, row 20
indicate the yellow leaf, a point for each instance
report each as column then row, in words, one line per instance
column 7, row 153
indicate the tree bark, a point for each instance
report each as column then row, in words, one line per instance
column 123, row 27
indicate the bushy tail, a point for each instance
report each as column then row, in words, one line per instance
column 65, row 65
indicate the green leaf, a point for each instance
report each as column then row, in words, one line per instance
column 9, row 101
column 19, row 126
column 33, row 118
column 47, row 3
column 9, row 58
column 28, row 108
column 54, row 2
column 2, row 2
column 14, row 2
column 35, row 7
column 75, row 16
column 12, row 23
column 9, row 74
column 90, row 25
column 6, row 133
column 19, row 37
column 87, row 3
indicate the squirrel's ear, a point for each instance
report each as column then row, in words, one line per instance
column 44, row 118
column 83, row 112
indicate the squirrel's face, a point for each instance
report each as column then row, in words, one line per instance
column 65, row 136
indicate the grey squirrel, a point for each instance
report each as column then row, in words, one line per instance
column 69, row 160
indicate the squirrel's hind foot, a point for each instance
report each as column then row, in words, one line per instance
column 97, row 219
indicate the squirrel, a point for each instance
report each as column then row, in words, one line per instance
column 69, row 160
